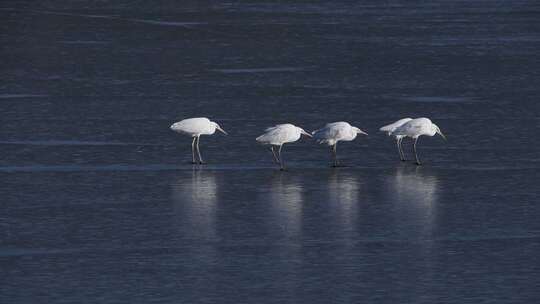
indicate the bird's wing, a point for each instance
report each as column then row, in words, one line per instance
column 275, row 127
column 393, row 126
column 387, row 128
column 193, row 125
column 329, row 133
column 408, row 129
column 277, row 134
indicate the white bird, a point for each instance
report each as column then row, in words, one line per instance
column 391, row 128
column 334, row 132
column 195, row 127
column 416, row 128
column 279, row 135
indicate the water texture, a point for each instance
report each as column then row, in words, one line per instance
column 99, row 203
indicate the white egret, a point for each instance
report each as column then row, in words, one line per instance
column 391, row 128
column 334, row 132
column 195, row 127
column 278, row 135
column 416, row 128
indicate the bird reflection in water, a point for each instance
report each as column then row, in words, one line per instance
column 343, row 196
column 286, row 199
column 195, row 201
column 415, row 192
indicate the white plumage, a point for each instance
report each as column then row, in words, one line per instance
column 393, row 126
column 416, row 128
column 195, row 127
column 279, row 135
column 334, row 132
column 389, row 129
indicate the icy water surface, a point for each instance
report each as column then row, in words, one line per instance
column 100, row 203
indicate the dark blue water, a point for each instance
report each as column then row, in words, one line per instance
column 100, row 204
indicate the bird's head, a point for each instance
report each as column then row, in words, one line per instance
column 358, row 131
column 220, row 129
column 302, row 131
column 438, row 130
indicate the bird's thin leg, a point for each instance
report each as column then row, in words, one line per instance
column 334, row 151
column 281, row 163
column 415, row 154
column 276, row 160
column 400, row 149
column 199, row 151
column 193, row 150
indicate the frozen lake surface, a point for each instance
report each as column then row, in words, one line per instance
column 100, row 203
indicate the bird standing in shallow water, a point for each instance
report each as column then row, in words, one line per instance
column 416, row 128
column 334, row 132
column 278, row 135
column 391, row 128
column 195, row 127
